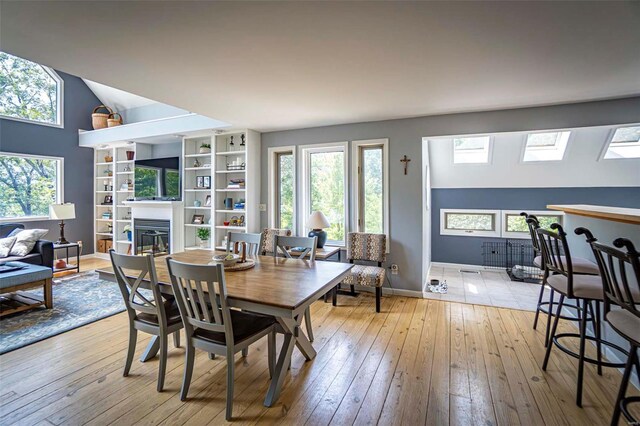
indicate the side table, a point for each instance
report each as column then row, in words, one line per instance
column 70, row 266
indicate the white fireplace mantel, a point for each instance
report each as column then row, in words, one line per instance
column 172, row 211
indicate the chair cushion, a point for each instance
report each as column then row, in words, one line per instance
column 170, row 309
column 580, row 265
column 245, row 325
column 584, row 286
column 269, row 239
column 366, row 246
column 625, row 323
column 371, row 276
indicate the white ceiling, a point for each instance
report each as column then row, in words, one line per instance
column 284, row 65
column 117, row 99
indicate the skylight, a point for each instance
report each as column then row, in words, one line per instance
column 471, row 150
column 625, row 143
column 549, row 146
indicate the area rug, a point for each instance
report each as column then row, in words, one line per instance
column 77, row 300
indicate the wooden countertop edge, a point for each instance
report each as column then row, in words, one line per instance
column 616, row 217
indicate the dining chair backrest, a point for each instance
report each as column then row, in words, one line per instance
column 619, row 270
column 305, row 246
column 367, row 247
column 555, row 253
column 134, row 299
column 253, row 241
column 201, row 294
column 269, row 237
column 533, row 223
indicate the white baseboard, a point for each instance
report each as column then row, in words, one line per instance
column 392, row 291
column 457, row 265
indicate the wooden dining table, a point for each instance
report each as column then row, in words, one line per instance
column 281, row 287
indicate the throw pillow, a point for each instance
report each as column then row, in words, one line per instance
column 15, row 232
column 5, row 245
column 26, row 240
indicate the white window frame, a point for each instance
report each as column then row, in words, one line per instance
column 305, row 152
column 471, row 233
column 355, row 182
column 525, row 235
column 489, row 150
column 59, row 185
column 273, row 187
column 609, row 140
column 59, row 101
column 526, row 139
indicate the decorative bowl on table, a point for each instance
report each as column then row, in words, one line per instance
column 226, row 259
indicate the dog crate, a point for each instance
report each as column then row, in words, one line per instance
column 514, row 256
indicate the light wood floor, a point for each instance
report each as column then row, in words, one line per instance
column 417, row 362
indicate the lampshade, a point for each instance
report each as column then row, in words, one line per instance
column 62, row 211
column 317, row 220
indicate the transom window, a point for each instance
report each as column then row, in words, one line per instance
column 471, row 150
column 29, row 91
column 28, row 185
column 515, row 226
column 624, row 143
column 548, row 146
column 478, row 223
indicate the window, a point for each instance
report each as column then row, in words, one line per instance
column 371, row 186
column 515, row 226
column 282, row 187
column 549, row 146
column 476, row 223
column 29, row 92
column 471, row 150
column 624, row 143
column 28, row 184
column 324, row 173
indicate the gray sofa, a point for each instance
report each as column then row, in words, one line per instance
column 42, row 253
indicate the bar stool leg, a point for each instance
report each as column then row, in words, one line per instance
column 549, row 316
column 598, row 332
column 535, row 319
column 553, row 332
column 633, row 359
column 583, row 340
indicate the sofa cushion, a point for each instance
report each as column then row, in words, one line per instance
column 26, row 240
column 5, row 245
column 31, row 258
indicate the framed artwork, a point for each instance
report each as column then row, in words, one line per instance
column 207, row 181
column 207, row 201
column 108, row 199
column 198, row 219
column 203, row 182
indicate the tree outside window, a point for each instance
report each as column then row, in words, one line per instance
column 327, row 190
column 29, row 91
column 285, row 184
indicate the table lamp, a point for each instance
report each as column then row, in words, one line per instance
column 317, row 222
column 62, row 212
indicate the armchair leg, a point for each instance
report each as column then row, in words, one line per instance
column 378, row 296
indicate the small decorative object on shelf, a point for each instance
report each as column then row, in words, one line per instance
column 205, row 148
column 99, row 119
column 228, row 203
column 109, row 228
column 239, row 205
column 198, row 219
column 203, row 235
column 242, row 140
column 226, row 223
column 124, row 186
column 106, row 184
column 107, row 215
column 197, row 203
column 237, row 183
column 127, row 215
column 127, row 168
column 196, row 163
column 127, row 230
column 207, row 201
column 237, row 221
column 231, row 144
column 130, row 155
column 235, row 166
column 203, row 182
column 108, row 171
column 114, row 119
column 108, row 200
column 108, row 158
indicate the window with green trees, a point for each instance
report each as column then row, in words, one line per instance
column 371, row 191
column 29, row 91
column 285, row 187
column 28, row 184
column 327, row 186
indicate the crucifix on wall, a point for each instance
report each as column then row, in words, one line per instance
column 405, row 160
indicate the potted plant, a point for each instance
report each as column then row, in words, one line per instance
column 205, row 148
column 203, row 235
column 127, row 230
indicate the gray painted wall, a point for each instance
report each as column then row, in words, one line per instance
column 27, row 138
column 405, row 137
column 467, row 250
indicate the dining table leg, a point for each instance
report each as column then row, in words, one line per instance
column 152, row 349
column 293, row 337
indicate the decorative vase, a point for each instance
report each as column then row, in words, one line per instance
column 322, row 237
column 197, row 203
column 204, row 243
column 128, row 235
column 130, row 155
column 204, row 150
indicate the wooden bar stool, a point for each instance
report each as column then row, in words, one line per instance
column 620, row 272
column 584, row 289
column 580, row 266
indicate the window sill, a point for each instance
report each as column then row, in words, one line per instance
column 24, row 219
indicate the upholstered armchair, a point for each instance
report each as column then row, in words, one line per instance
column 269, row 239
column 365, row 247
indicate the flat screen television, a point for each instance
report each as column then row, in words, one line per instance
column 157, row 179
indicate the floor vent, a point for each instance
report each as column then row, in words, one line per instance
column 468, row 271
